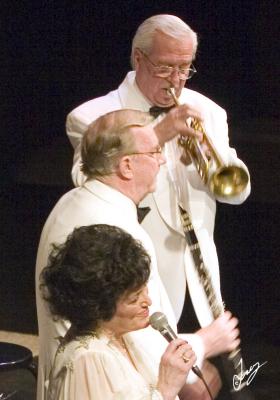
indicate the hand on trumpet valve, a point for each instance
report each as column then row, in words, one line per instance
column 176, row 123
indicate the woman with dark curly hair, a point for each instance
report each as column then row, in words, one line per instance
column 97, row 281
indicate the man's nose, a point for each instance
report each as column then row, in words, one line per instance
column 174, row 78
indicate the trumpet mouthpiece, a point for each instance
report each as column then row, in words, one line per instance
column 171, row 92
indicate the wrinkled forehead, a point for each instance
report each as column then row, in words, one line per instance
column 144, row 136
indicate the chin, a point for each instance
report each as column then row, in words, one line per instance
column 163, row 99
column 145, row 324
column 152, row 188
column 166, row 101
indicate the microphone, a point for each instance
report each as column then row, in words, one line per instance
column 159, row 322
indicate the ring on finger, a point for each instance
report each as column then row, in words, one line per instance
column 185, row 359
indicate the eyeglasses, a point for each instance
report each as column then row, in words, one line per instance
column 165, row 71
column 153, row 153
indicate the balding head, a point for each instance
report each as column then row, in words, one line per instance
column 108, row 139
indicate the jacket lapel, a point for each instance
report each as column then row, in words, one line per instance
column 130, row 96
column 166, row 200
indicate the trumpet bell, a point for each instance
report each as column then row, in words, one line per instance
column 223, row 181
column 228, row 181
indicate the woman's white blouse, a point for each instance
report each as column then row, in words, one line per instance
column 91, row 368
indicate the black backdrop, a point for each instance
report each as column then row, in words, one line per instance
column 58, row 54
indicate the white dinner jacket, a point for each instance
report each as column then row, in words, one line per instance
column 163, row 223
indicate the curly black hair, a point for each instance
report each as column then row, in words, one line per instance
column 86, row 276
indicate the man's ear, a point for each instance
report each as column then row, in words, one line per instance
column 125, row 167
column 136, row 58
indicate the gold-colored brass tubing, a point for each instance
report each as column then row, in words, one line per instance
column 225, row 181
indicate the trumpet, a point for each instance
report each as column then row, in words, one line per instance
column 224, row 181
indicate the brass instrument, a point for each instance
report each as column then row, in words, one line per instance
column 222, row 180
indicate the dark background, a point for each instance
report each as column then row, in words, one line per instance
column 58, row 54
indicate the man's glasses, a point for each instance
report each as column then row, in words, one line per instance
column 165, row 71
column 154, row 153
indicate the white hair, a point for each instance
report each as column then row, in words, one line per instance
column 168, row 24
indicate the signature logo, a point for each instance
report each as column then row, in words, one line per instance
column 249, row 374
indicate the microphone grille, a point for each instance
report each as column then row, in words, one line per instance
column 158, row 320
